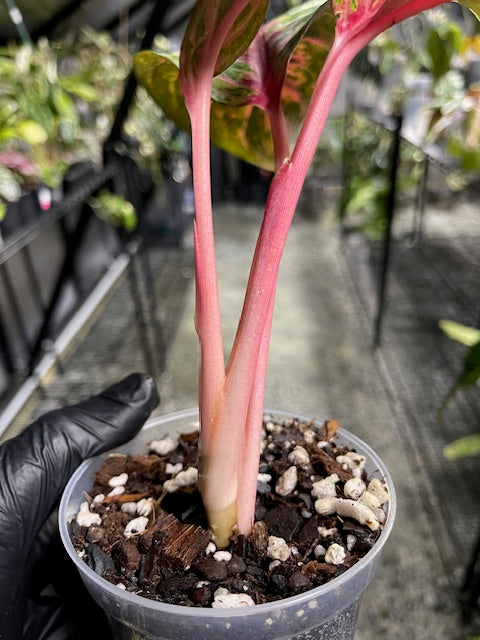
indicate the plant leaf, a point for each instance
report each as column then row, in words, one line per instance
column 32, row 132
column 460, row 332
column 205, row 25
column 471, row 367
column 282, row 63
column 158, row 73
column 463, row 447
column 242, row 131
column 301, row 37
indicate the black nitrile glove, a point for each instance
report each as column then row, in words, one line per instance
column 41, row 595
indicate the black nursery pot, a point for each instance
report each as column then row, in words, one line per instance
column 327, row 612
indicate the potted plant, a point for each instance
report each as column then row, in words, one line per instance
column 262, row 71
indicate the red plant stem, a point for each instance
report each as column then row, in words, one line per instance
column 207, row 312
column 278, row 125
column 247, row 363
column 248, row 468
column 197, row 87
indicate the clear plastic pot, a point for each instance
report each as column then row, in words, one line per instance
column 328, row 612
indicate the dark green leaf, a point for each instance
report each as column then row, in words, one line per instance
column 443, row 42
column 207, row 20
column 471, row 367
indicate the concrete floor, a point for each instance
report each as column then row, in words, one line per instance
column 321, row 363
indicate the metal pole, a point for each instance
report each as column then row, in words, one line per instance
column 390, row 209
column 153, row 27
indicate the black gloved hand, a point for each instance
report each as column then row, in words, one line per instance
column 41, row 596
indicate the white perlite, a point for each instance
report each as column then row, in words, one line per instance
column 335, row 554
column 369, row 500
column 278, row 549
column 210, row 548
column 351, row 540
column 309, row 436
column 379, row 490
column 183, row 479
column 85, row 518
column 117, row 491
column 354, row 488
column 118, row 481
column 373, row 503
column 353, row 462
column 173, row 469
column 137, row 525
column 144, row 506
column 325, row 487
column 287, row 481
column 129, row 507
column 224, row 556
column 232, row 600
column 163, row 447
column 299, row 456
column 264, row 477
column 349, row 509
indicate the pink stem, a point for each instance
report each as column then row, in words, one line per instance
column 207, row 312
column 247, row 487
column 281, row 146
column 246, row 366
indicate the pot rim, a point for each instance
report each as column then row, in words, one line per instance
column 175, row 609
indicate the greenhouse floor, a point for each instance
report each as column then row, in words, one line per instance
column 322, row 364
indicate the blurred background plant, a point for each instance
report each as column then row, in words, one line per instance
column 364, row 197
column 114, row 209
column 469, row 377
column 427, row 69
column 58, row 100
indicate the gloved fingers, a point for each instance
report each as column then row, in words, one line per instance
column 110, row 418
column 36, row 465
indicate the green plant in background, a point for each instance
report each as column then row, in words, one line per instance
column 469, row 377
column 37, row 116
column 455, row 104
column 434, row 51
column 57, row 103
column 153, row 136
column 114, row 209
column 364, row 197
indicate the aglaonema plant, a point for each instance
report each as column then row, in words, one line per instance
column 261, row 91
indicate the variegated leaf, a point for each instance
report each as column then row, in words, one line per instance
column 207, row 24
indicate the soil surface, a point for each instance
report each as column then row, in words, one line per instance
column 143, row 525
